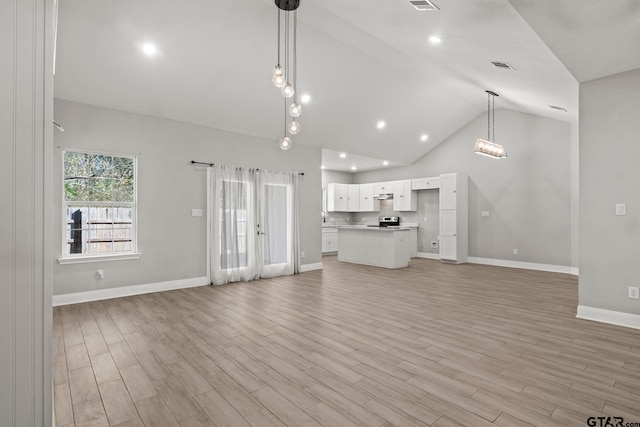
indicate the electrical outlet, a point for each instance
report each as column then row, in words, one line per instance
column 302, row 254
column 485, row 213
column 425, row 219
column 196, row 212
column 434, row 244
column 515, row 252
column 621, row 209
column 634, row 292
column 100, row 274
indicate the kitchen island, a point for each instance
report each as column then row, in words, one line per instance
column 376, row 246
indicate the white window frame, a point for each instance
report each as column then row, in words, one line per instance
column 109, row 256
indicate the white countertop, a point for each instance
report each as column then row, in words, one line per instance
column 367, row 228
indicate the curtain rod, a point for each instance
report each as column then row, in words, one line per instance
column 193, row 162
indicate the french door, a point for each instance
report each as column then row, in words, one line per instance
column 275, row 205
column 253, row 224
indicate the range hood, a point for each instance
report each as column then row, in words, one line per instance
column 383, row 196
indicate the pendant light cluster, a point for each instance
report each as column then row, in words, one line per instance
column 285, row 74
column 488, row 147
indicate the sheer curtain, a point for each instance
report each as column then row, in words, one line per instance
column 254, row 224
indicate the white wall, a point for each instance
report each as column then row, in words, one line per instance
column 609, row 174
column 528, row 195
column 26, row 86
column 172, row 242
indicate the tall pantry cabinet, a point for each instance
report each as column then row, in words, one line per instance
column 454, row 221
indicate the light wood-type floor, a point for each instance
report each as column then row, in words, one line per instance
column 431, row 344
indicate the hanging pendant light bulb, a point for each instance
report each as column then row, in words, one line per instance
column 278, row 76
column 295, row 109
column 287, row 90
column 294, row 127
column 285, row 143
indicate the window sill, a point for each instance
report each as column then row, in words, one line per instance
column 98, row 258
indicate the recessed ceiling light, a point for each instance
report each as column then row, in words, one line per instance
column 354, row 168
column 343, row 155
column 305, row 98
column 381, row 124
column 435, row 40
column 424, row 137
column 385, row 163
column 149, row 49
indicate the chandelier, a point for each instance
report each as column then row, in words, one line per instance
column 285, row 73
column 488, row 147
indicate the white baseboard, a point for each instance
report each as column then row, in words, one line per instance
column 428, row 255
column 126, row 291
column 310, row 267
column 608, row 316
column 526, row 265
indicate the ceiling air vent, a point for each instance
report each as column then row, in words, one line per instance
column 424, row 5
column 503, row 65
column 555, row 107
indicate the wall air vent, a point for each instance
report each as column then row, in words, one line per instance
column 424, row 5
column 503, row 65
column 555, row 107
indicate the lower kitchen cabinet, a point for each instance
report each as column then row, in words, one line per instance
column 329, row 240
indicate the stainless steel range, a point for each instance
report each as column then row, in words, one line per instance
column 387, row 221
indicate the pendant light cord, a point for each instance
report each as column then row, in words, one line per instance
column 278, row 37
column 286, row 46
column 488, row 116
column 295, row 56
column 493, row 118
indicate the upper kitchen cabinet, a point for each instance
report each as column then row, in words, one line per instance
column 383, row 187
column 425, row 183
column 404, row 199
column 448, row 191
column 353, row 197
column 337, row 197
column 367, row 202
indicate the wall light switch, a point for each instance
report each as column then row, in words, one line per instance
column 425, row 219
column 621, row 209
column 196, row 212
column 634, row 292
column 485, row 213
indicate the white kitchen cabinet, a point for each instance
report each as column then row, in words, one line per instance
column 329, row 240
column 367, row 202
column 448, row 188
column 337, row 197
column 353, row 197
column 404, row 199
column 383, row 187
column 448, row 237
column 454, row 240
column 425, row 183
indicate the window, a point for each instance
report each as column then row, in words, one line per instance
column 99, row 204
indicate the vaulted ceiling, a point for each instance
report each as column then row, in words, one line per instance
column 361, row 61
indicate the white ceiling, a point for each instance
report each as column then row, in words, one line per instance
column 361, row 61
column 332, row 160
column 592, row 38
